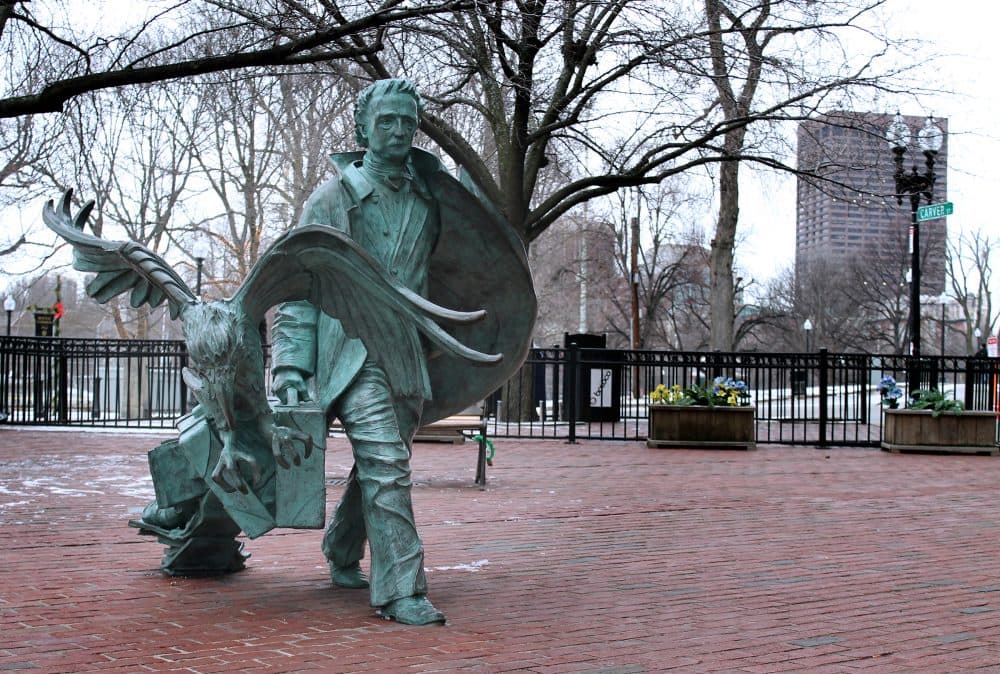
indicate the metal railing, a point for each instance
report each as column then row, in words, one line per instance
column 570, row 393
column 92, row 382
column 815, row 399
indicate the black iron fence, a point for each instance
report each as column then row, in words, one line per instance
column 817, row 398
column 571, row 393
column 92, row 382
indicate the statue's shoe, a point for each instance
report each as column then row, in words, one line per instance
column 348, row 576
column 417, row 610
column 165, row 518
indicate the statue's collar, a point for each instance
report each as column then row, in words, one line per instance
column 420, row 166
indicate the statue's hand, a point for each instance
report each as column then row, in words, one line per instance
column 228, row 473
column 283, row 441
column 289, row 385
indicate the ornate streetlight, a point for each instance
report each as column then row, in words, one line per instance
column 9, row 305
column 915, row 185
column 200, row 251
column 807, row 327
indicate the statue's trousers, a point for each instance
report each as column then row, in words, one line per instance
column 376, row 503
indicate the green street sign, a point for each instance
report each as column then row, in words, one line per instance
column 935, row 211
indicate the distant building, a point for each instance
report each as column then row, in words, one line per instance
column 579, row 286
column 851, row 213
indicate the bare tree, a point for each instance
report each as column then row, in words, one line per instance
column 127, row 150
column 767, row 64
column 579, row 99
column 861, row 304
column 969, row 273
column 157, row 44
column 670, row 267
column 627, row 93
column 264, row 153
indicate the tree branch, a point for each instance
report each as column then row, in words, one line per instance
column 54, row 95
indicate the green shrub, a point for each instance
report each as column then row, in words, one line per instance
column 935, row 401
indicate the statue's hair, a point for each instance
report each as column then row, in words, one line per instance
column 375, row 91
column 212, row 337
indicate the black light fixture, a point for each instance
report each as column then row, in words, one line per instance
column 915, row 185
column 9, row 305
column 200, row 251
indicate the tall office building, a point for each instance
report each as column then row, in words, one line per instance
column 850, row 213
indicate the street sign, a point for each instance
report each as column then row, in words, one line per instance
column 935, row 211
column 991, row 347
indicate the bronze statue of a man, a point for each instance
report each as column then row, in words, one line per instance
column 402, row 298
column 383, row 202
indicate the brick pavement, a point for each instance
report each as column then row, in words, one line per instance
column 599, row 557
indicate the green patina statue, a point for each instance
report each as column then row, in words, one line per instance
column 361, row 286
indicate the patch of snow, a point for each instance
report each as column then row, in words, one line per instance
column 474, row 566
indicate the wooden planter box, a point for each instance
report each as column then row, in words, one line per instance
column 700, row 427
column 917, row 431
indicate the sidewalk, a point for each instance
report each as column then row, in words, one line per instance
column 596, row 557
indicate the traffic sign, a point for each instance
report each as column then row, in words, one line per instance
column 935, row 211
column 991, row 347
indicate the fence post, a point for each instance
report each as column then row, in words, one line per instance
column 4, row 378
column 62, row 384
column 824, row 381
column 558, row 411
column 865, row 374
column 971, row 380
column 573, row 367
column 95, row 401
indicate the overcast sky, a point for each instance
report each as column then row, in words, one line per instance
column 965, row 37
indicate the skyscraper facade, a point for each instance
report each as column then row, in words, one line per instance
column 848, row 213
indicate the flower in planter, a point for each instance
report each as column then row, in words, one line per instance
column 920, row 399
column 723, row 392
column 733, row 391
column 666, row 396
column 890, row 392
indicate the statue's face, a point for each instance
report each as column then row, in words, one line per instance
column 390, row 127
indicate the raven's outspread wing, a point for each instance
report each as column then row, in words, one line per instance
column 316, row 263
column 326, row 267
column 120, row 265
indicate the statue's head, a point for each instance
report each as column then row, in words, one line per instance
column 386, row 118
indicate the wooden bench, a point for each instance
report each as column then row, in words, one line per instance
column 452, row 429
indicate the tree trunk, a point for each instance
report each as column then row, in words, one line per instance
column 721, row 258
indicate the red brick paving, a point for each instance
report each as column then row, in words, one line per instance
column 597, row 557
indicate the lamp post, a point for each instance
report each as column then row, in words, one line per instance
column 199, row 251
column 197, row 283
column 979, row 335
column 915, row 185
column 9, row 305
column 807, row 327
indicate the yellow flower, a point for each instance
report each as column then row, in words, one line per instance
column 659, row 394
